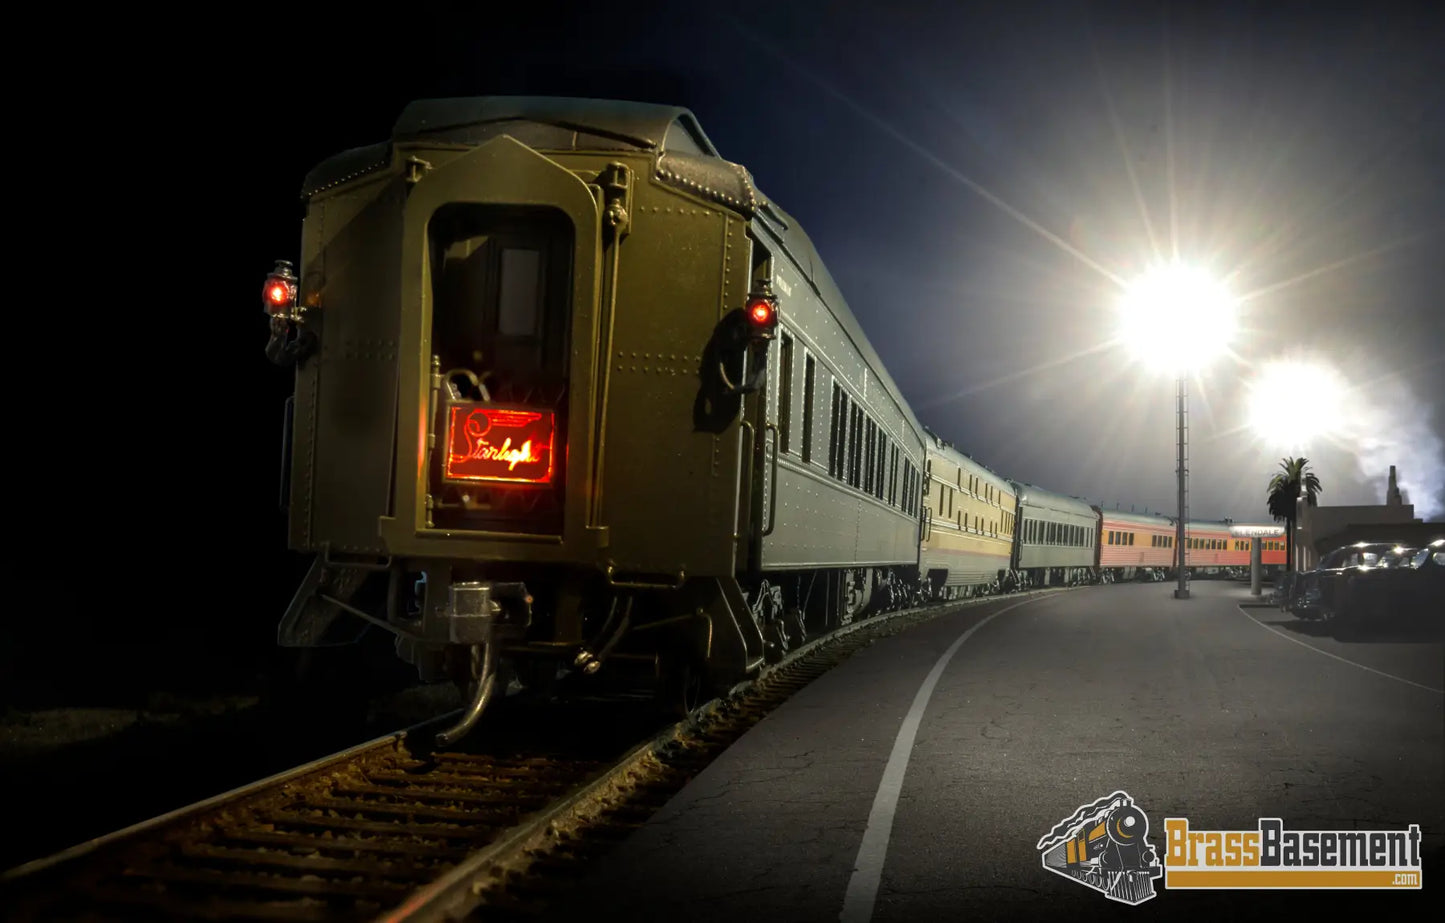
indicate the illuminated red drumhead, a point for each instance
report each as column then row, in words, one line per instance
column 503, row 445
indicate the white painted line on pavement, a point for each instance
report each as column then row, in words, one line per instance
column 868, row 867
column 1401, row 679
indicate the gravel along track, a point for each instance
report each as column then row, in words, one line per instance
column 391, row 831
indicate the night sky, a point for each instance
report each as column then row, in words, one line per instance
column 979, row 178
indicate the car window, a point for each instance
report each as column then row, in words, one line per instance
column 1420, row 557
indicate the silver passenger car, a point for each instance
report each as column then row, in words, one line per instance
column 1057, row 536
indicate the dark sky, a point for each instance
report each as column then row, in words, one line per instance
column 979, row 178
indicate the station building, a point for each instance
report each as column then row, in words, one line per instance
column 1321, row 529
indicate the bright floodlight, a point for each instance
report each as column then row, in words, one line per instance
column 1293, row 403
column 1176, row 318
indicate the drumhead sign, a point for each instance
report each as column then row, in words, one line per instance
column 1256, row 531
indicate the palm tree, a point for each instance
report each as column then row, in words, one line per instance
column 1284, row 491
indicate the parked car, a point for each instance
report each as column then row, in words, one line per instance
column 1402, row 590
column 1314, row 591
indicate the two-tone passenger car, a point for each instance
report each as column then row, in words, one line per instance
column 968, row 524
column 1209, row 546
column 1273, row 553
column 1128, row 543
column 1235, row 551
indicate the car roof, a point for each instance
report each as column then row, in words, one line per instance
column 1361, row 547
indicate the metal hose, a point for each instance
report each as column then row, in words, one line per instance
column 479, row 701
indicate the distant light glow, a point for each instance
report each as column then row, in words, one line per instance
column 1294, row 404
column 1177, row 318
column 1302, row 405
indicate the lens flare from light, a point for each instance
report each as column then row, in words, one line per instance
column 1296, row 403
column 1177, row 318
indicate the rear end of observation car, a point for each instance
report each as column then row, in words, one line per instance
column 530, row 339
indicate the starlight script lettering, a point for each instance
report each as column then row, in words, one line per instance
column 504, row 452
column 491, row 443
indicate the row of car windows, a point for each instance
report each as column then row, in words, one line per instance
column 1043, row 532
column 1003, row 525
column 1118, row 537
column 860, row 452
column 978, row 487
column 863, row 456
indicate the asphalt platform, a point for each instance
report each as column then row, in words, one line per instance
column 915, row 781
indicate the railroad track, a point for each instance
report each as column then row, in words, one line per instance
column 390, row 831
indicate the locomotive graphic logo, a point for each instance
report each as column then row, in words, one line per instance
column 1105, row 845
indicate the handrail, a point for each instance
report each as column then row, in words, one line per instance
column 752, row 444
column 645, row 584
column 773, row 486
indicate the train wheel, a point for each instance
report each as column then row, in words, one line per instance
column 775, row 641
column 683, row 686
column 854, row 596
column 796, row 627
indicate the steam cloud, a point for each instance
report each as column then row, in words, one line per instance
column 1378, row 424
column 1391, row 427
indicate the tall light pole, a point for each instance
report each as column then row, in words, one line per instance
column 1300, row 503
column 1181, row 398
column 1177, row 319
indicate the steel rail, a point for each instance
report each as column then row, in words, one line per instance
column 451, row 801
